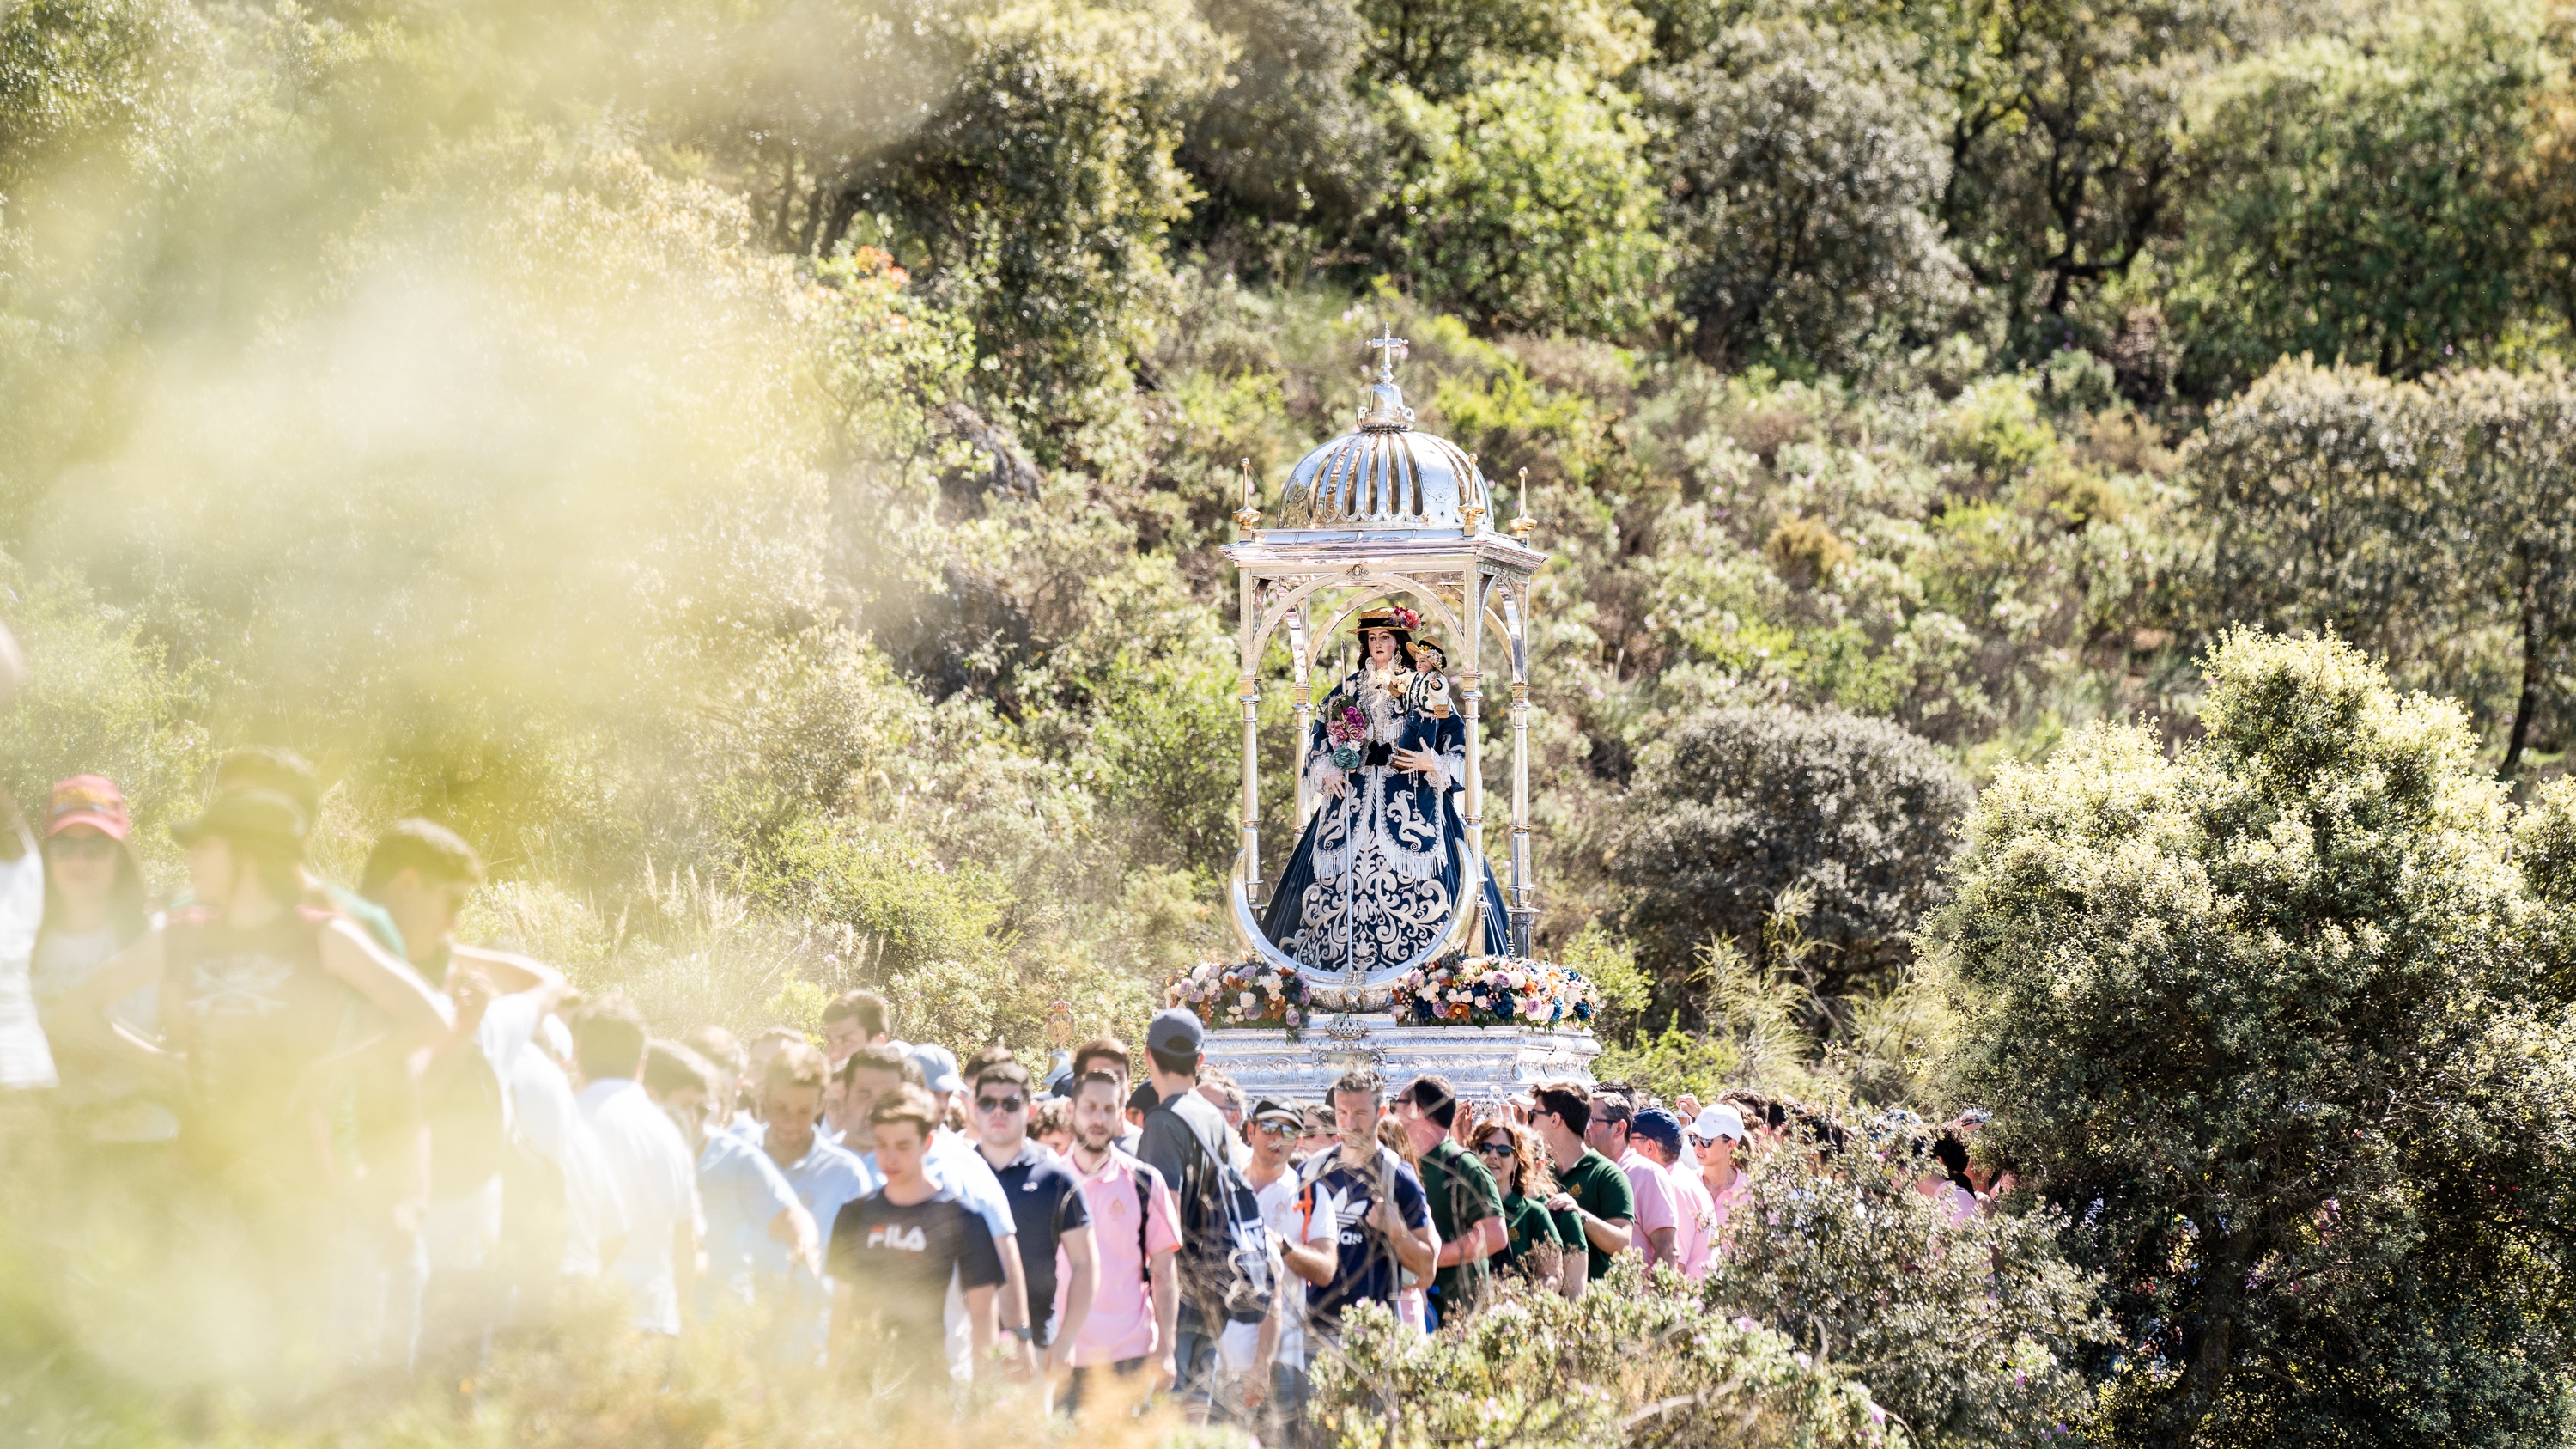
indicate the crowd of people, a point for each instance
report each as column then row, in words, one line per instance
column 404, row 1145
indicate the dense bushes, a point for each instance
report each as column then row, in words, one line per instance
column 1738, row 807
column 1622, row 1365
column 2272, row 1021
column 1968, row 1331
column 1803, row 165
column 1524, row 205
column 2365, row 198
column 2431, row 521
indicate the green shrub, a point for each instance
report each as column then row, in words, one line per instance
column 1526, row 205
column 1736, row 806
column 101, row 697
column 1036, row 194
column 1623, row 1365
column 1803, row 165
column 2354, row 198
column 1288, row 145
column 2431, row 521
column 1671, row 1063
column 1969, row 1331
column 885, row 888
column 2270, row 1018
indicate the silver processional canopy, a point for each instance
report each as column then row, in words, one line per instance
column 1388, row 513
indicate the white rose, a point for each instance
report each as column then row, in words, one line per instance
column 1250, row 1005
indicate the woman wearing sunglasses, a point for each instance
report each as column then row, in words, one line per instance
column 1533, row 1245
column 95, row 906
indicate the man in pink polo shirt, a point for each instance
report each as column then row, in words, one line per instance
column 1658, row 1225
column 1135, row 1228
column 1656, row 1135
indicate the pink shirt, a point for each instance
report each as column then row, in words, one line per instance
column 1724, row 1203
column 1654, row 1190
column 1121, row 1324
column 1695, row 1240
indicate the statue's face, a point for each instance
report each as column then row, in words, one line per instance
column 1381, row 646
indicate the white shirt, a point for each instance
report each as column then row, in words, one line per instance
column 64, row 961
column 551, row 1123
column 25, row 1059
column 955, row 1164
column 461, row 1232
column 657, row 1183
column 1279, row 1209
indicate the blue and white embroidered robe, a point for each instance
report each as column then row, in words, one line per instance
column 1372, row 880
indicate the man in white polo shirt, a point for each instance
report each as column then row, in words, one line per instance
column 1308, row 1246
column 653, row 1169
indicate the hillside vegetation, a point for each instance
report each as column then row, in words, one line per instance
column 757, row 468
column 2063, row 600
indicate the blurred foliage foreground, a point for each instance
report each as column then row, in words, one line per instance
column 1834, row 1323
column 756, row 469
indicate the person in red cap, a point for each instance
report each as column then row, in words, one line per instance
column 256, row 979
column 96, row 906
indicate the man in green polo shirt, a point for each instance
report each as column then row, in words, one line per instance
column 1465, row 1205
column 1595, row 1195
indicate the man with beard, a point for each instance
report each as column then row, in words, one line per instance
column 1136, row 1229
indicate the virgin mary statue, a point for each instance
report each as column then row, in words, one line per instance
column 1374, row 877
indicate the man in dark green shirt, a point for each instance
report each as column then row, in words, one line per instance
column 1466, row 1207
column 1596, row 1194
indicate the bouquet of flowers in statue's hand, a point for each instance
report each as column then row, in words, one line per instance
column 1495, row 991
column 1241, row 993
column 1348, row 732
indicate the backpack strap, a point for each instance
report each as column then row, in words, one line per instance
column 1144, row 1213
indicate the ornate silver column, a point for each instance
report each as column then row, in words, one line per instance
column 1247, row 692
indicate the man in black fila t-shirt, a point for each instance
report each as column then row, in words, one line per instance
column 893, row 1252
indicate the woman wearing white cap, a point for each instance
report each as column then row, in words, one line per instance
column 1714, row 1136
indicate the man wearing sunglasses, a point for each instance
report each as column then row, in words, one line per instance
column 1310, row 1249
column 1046, row 1204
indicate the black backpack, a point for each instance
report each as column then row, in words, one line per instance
column 1225, row 1242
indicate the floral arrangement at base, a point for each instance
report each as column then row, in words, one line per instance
column 1242, row 993
column 1495, row 991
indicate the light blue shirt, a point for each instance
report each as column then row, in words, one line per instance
column 825, row 1178
column 743, row 1191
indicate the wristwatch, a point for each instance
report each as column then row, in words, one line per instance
column 1022, row 1332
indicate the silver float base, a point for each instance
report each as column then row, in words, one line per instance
column 1482, row 1063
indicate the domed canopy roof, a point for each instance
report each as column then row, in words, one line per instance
column 1384, row 477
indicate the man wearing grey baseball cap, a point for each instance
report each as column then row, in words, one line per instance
column 1185, row 1140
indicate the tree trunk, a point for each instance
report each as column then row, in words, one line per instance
column 845, row 210
column 2222, row 1297
column 2529, row 704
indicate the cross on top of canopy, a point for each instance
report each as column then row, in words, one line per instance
column 1382, row 477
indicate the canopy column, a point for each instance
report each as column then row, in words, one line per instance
column 1471, row 695
column 1247, row 692
column 1524, row 905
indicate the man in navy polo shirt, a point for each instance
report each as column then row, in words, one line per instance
column 1046, row 1204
